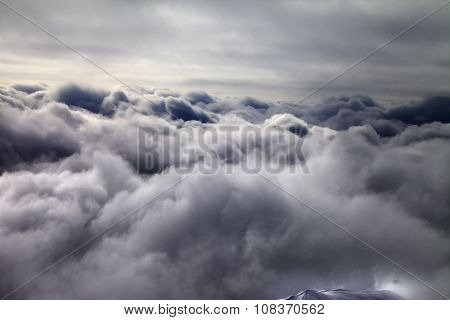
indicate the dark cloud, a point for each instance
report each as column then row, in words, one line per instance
column 81, row 96
column 196, row 97
column 254, row 103
column 68, row 173
column 112, row 102
column 29, row 88
column 426, row 111
column 180, row 109
column 344, row 112
column 29, row 136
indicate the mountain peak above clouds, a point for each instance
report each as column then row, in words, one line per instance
column 341, row 294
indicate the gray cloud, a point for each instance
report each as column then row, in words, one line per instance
column 75, row 95
column 179, row 109
column 344, row 112
column 68, row 173
column 29, row 88
column 267, row 49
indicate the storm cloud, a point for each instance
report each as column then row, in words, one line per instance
column 68, row 159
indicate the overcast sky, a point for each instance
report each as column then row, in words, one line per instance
column 268, row 49
column 376, row 169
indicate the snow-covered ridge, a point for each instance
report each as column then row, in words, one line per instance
column 341, row 294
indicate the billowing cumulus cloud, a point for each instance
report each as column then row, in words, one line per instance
column 68, row 161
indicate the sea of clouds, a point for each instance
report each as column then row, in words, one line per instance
column 69, row 170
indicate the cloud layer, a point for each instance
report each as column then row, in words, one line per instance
column 68, row 161
column 283, row 49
